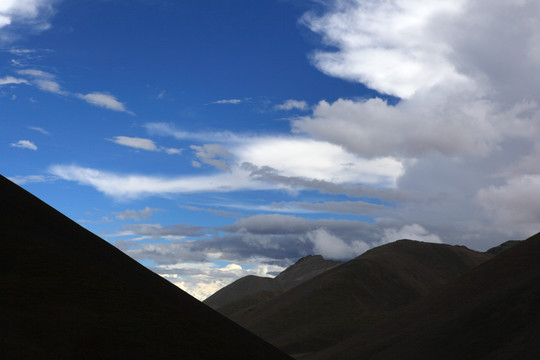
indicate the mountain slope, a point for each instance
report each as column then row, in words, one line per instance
column 67, row 294
column 491, row 312
column 250, row 289
column 353, row 296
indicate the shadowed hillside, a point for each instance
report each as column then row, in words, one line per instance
column 354, row 296
column 491, row 312
column 67, row 294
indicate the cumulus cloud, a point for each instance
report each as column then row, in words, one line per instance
column 292, row 104
column 389, row 46
column 25, row 144
column 33, row 14
column 467, row 105
column 332, row 247
column 104, row 100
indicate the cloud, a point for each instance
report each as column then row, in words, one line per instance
column 43, row 80
column 228, row 101
column 203, row 279
column 137, row 215
column 32, row 14
column 130, row 186
column 292, row 104
column 332, row 247
column 214, row 155
column 514, row 206
column 311, row 159
column 390, row 46
column 104, row 100
column 143, row 144
column 135, row 142
column 411, row 232
column 21, row 180
column 38, row 129
column 156, row 231
column 25, row 144
column 9, row 80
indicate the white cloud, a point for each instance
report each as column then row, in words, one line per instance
column 134, row 185
column 311, row 159
column 292, row 104
column 135, row 142
column 43, row 80
column 25, row 144
column 411, row 232
column 104, row 100
column 332, row 247
column 9, row 80
column 143, row 144
column 228, row 101
column 203, row 279
column 388, row 45
column 33, row 14
column 39, row 129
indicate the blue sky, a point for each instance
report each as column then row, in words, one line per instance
column 215, row 139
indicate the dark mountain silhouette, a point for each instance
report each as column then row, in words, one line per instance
column 252, row 289
column 352, row 297
column 67, row 294
column 491, row 312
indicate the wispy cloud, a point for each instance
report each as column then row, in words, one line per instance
column 143, row 144
column 43, row 80
column 292, row 104
column 25, row 144
column 9, row 80
column 137, row 215
column 39, row 129
column 104, row 100
column 229, row 101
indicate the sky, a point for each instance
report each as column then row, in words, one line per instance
column 211, row 140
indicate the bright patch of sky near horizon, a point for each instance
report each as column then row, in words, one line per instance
column 212, row 140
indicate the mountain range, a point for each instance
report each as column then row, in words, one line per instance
column 405, row 300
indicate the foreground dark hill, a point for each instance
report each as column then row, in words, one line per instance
column 491, row 312
column 354, row 296
column 251, row 289
column 67, row 294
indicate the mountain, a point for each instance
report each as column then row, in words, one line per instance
column 352, row 297
column 491, row 312
column 67, row 294
column 251, row 289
